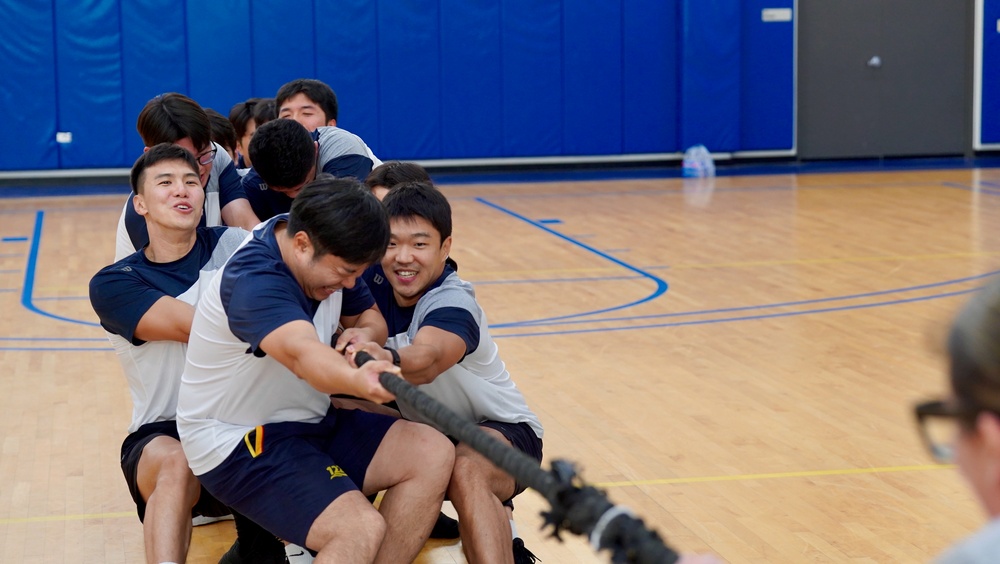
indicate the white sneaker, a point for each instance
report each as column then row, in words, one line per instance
column 199, row 520
column 297, row 555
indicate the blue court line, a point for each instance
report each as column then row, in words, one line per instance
column 767, row 306
column 745, row 318
column 13, row 239
column 56, row 349
column 29, row 275
column 549, row 221
column 661, row 285
column 34, row 339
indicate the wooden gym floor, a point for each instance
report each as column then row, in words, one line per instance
column 738, row 367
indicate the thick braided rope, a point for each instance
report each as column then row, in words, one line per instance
column 582, row 510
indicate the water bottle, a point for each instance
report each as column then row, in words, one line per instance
column 698, row 171
column 697, row 163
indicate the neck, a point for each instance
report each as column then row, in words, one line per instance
column 166, row 245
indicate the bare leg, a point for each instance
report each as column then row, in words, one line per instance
column 413, row 465
column 348, row 530
column 477, row 488
column 170, row 490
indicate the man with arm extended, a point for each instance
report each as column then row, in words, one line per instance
column 254, row 411
column 440, row 334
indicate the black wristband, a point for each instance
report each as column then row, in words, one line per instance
column 394, row 353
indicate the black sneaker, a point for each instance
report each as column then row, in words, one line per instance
column 522, row 555
column 445, row 528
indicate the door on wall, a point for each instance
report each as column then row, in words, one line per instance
column 884, row 78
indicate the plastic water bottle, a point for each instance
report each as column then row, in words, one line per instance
column 698, row 171
column 697, row 163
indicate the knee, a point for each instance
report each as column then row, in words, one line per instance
column 437, row 449
column 176, row 476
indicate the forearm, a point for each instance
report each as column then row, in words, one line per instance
column 420, row 364
column 324, row 369
column 372, row 323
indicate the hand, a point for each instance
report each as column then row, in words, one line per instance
column 367, row 381
column 353, row 335
column 374, row 349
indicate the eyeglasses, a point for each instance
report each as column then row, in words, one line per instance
column 938, row 422
column 208, row 156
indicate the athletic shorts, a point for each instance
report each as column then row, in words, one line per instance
column 131, row 453
column 284, row 475
column 524, row 439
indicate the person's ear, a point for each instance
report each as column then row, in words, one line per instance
column 446, row 246
column 332, row 122
column 988, row 429
column 145, row 149
column 139, row 203
column 302, row 244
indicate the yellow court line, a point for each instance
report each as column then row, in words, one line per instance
column 693, row 480
column 803, row 474
column 67, row 517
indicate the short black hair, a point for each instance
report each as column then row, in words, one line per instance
column 223, row 131
column 316, row 90
column 170, row 117
column 240, row 115
column 282, row 152
column 420, row 199
column 342, row 218
column 391, row 173
column 264, row 111
column 158, row 153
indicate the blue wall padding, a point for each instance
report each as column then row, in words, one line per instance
column 284, row 43
column 347, row 59
column 592, row 75
column 990, row 116
column 710, row 74
column 650, row 77
column 532, row 78
column 218, row 52
column 89, row 76
column 28, row 88
column 767, row 79
column 154, row 61
column 417, row 79
column 471, row 85
column 410, row 63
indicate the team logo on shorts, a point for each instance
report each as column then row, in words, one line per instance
column 336, row 472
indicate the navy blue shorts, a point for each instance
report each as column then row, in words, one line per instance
column 131, row 453
column 284, row 475
column 524, row 439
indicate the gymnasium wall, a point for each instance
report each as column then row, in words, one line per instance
column 417, row 79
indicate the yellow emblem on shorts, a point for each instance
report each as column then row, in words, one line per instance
column 336, row 472
column 255, row 441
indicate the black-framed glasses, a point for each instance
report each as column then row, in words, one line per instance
column 208, row 156
column 938, row 422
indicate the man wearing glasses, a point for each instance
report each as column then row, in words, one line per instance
column 177, row 119
column 965, row 428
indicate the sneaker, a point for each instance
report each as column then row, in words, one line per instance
column 199, row 520
column 445, row 528
column 297, row 555
column 522, row 555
